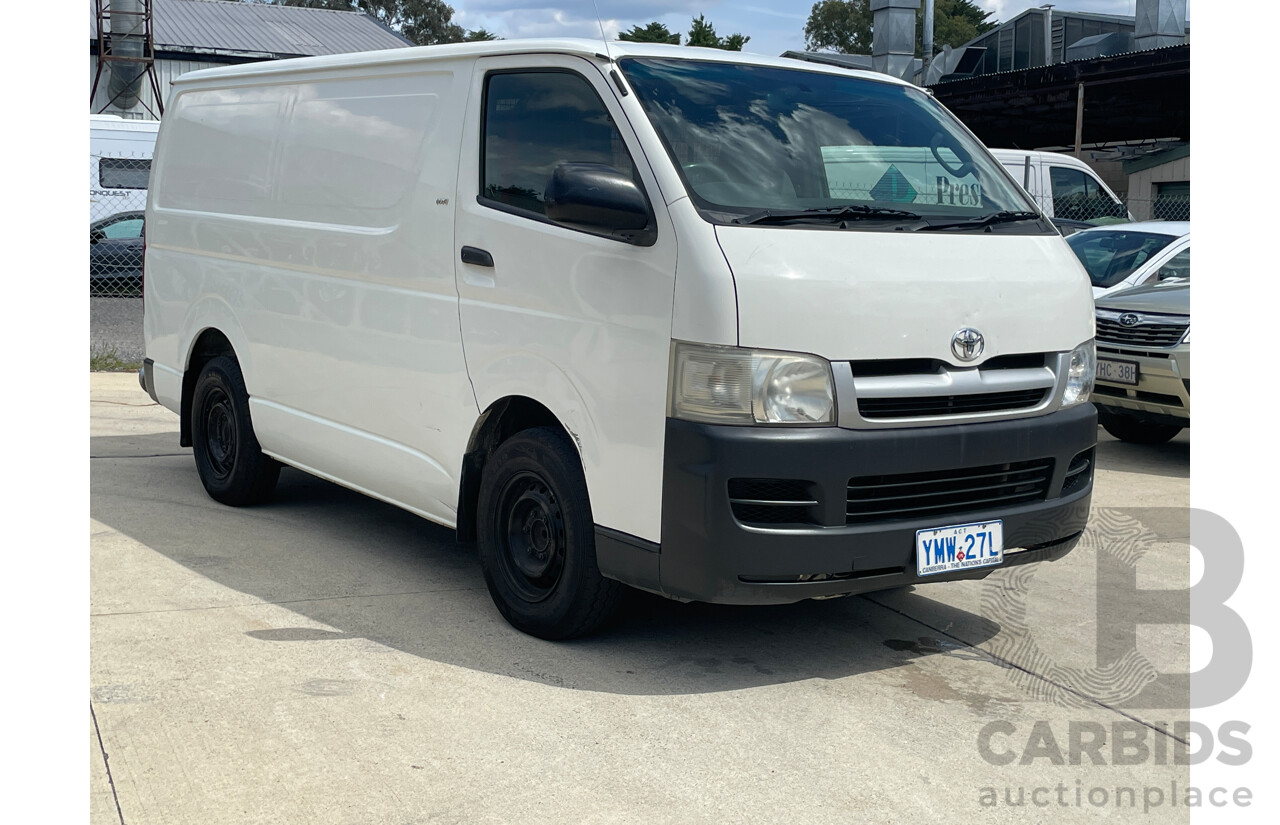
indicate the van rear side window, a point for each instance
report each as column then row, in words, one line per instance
column 533, row 122
column 123, row 173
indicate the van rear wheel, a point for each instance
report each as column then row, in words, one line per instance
column 537, row 539
column 232, row 466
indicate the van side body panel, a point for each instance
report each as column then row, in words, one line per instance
column 317, row 207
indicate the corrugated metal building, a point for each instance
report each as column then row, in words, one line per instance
column 1019, row 42
column 200, row 34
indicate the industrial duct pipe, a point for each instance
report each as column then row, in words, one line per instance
column 926, row 51
column 128, row 39
column 893, row 36
column 1159, row 23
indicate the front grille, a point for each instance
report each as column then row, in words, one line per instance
column 911, row 495
column 1149, row 333
column 773, row 501
column 923, row 406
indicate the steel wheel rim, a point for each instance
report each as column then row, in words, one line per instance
column 532, row 536
column 219, row 432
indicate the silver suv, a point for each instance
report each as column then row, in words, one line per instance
column 1143, row 385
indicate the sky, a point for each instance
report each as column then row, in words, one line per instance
column 774, row 26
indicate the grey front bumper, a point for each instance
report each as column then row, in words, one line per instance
column 707, row 554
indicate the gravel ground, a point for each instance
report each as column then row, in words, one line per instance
column 116, row 324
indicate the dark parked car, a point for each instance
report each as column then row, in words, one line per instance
column 115, row 254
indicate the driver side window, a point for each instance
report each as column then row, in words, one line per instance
column 533, row 122
column 1178, row 267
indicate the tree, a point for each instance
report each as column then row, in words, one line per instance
column 655, row 32
column 955, row 22
column 702, row 33
column 846, row 25
column 839, row 26
column 477, row 35
column 424, row 22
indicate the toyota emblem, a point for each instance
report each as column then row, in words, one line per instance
column 967, row 344
column 1130, row 319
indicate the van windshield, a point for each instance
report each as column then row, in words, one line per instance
column 750, row 138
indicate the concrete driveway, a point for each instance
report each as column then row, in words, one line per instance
column 328, row 658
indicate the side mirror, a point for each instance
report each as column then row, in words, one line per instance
column 598, row 197
column 96, row 236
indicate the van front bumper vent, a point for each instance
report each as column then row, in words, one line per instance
column 773, row 501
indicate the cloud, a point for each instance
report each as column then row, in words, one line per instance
column 581, row 9
column 575, row 18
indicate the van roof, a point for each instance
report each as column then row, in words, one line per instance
column 580, row 47
column 116, row 123
column 1040, row 155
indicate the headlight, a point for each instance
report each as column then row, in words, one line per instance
column 731, row 385
column 1080, row 375
column 1186, row 339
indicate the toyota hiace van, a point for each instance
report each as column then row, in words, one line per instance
column 717, row 326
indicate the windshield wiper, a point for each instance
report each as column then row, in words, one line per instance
column 827, row 214
column 986, row 220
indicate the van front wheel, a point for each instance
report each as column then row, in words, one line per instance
column 232, row 466
column 537, row 538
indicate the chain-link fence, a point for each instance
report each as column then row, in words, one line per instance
column 1101, row 209
column 1165, row 208
column 117, row 198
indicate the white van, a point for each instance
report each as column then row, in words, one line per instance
column 605, row 315
column 1064, row 187
column 119, row 164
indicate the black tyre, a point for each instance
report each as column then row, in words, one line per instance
column 1136, row 430
column 537, row 538
column 232, row 466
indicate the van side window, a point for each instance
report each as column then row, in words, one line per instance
column 533, row 122
column 123, row 173
column 1078, row 197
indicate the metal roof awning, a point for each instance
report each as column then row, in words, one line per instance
column 1133, row 96
column 261, row 31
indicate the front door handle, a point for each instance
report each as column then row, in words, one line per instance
column 477, row 256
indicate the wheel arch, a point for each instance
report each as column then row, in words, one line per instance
column 207, row 345
column 500, row 421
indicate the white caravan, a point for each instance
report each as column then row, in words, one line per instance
column 612, row 317
column 1064, row 187
column 119, row 164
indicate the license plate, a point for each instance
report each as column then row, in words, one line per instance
column 1118, row 372
column 961, row 547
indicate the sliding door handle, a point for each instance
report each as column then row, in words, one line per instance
column 474, row 255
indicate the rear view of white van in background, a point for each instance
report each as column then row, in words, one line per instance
column 721, row 327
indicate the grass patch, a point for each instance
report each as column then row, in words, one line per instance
column 106, row 359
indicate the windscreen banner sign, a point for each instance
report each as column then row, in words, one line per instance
column 901, row 174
